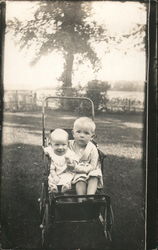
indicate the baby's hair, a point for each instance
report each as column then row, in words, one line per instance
column 85, row 121
column 59, row 133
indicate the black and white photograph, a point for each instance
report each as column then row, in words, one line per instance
column 74, row 158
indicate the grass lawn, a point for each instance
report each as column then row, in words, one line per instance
column 119, row 136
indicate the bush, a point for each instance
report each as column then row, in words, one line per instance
column 97, row 91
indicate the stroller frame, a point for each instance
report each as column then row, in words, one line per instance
column 67, row 223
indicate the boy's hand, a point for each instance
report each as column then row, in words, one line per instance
column 56, row 179
column 83, row 167
column 88, row 168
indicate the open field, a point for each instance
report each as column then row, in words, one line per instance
column 119, row 136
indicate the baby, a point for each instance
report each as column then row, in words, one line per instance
column 60, row 156
column 88, row 175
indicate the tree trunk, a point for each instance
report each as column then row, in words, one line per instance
column 67, row 81
column 67, row 74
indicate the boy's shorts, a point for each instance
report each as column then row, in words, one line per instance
column 85, row 177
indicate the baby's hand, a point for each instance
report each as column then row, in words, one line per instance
column 71, row 167
column 70, row 164
column 45, row 150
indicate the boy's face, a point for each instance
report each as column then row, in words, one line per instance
column 60, row 145
column 82, row 134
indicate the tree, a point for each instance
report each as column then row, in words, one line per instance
column 64, row 26
column 59, row 25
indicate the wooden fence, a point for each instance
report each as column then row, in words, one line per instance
column 19, row 100
column 23, row 100
column 124, row 105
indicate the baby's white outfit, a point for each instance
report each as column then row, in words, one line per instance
column 59, row 173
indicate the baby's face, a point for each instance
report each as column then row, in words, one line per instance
column 59, row 145
column 82, row 134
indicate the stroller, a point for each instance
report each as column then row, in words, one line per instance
column 65, row 222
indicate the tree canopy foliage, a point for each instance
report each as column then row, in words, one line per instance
column 59, row 25
column 65, row 26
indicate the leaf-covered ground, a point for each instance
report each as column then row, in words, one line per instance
column 119, row 136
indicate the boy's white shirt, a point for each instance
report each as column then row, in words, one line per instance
column 89, row 155
column 88, row 159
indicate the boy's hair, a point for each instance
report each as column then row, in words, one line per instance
column 59, row 133
column 85, row 120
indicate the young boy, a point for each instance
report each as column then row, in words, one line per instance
column 88, row 172
column 60, row 156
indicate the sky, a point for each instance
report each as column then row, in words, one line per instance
column 116, row 65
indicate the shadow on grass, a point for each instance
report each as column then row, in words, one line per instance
column 124, row 181
column 22, row 173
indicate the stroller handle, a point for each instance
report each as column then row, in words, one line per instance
column 66, row 98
